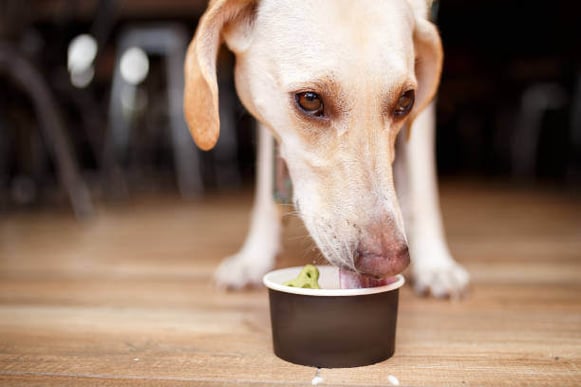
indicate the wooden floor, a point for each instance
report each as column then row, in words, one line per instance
column 127, row 299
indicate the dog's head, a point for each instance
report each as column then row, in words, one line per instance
column 335, row 81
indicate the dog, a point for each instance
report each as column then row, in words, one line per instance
column 334, row 82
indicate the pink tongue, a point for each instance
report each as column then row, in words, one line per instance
column 351, row 280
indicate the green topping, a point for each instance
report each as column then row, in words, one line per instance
column 307, row 278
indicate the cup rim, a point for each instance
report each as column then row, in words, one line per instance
column 273, row 280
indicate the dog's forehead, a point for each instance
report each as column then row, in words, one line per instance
column 369, row 35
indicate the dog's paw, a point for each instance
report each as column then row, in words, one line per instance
column 446, row 279
column 240, row 271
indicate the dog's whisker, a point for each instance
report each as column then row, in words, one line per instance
column 304, row 237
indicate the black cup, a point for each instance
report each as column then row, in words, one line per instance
column 332, row 327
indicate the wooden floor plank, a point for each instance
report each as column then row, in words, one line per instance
column 128, row 299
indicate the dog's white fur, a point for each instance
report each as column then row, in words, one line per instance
column 359, row 56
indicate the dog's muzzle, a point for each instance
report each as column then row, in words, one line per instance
column 382, row 252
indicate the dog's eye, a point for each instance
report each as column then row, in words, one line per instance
column 404, row 104
column 310, row 103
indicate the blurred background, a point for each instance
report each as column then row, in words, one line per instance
column 91, row 92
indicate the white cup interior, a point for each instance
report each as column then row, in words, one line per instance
column 328, row 281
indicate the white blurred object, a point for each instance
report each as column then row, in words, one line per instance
column 81, row 54
column 82, row 79
column 393, row 380
column 134, row 65
column 318, row 379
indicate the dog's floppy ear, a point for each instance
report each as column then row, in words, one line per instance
column 223, row 17
column 428, row 49
column 428, row 64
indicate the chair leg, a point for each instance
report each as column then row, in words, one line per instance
column 186, row 156
column 170, row 42
column 30, row 79
column 116, row 140
column 536, row 100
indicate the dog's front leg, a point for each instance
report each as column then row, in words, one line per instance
column 433, row 268
column 257, row 255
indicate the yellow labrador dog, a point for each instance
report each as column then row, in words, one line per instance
column 334, row 82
